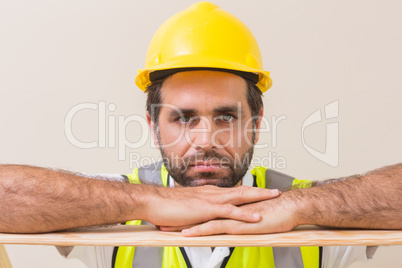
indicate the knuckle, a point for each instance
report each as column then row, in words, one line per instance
column 228, row 209
column 242, row 191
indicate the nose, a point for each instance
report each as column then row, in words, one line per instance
column 201, row 134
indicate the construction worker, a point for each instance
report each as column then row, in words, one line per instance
column 204, row 79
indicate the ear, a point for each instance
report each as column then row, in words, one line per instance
column 258, row 125
column 151, row 125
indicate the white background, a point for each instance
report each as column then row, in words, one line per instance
column 57, row 54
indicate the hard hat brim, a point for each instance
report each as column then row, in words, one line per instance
column 143, row 80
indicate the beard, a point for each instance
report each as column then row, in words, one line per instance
column 231, row 170
column 230, row 173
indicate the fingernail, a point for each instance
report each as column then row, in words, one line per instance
column 276, row 191
column 185, row 231
column 256, row 216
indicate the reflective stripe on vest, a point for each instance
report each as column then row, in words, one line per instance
column 280, row 257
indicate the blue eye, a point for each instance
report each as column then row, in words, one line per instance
column 185, row 119
column 226, row 117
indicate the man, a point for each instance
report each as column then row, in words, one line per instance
column 205, row 111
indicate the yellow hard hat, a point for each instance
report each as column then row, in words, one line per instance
column 203, row 36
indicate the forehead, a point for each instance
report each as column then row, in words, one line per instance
column 204, row 89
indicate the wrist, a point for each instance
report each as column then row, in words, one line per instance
column 141, row 198
column 307, row 210
column 150, row 201
column 297, row 206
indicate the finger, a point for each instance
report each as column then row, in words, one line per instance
column 175, row 228
column 225, row 227
column 245, row 194
column 236, row 213
column 214, row 227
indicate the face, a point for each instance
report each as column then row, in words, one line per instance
column 205, row 131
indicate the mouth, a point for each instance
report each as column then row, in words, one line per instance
column 208, row 166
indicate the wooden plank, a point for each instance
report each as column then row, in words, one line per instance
column 150, row 236
column 4, row 260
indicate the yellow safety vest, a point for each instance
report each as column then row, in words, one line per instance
column 239, row 257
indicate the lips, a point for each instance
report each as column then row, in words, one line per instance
column 208, row 166
column 206, row 163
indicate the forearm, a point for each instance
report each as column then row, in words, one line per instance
column 372, row 200
column 35, row 199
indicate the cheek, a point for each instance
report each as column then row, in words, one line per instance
column 227, row 138
column 173, row 139
column 242, row 135
column 247, row 132
column 235, row 140
column 168, row 135
column 243, row 141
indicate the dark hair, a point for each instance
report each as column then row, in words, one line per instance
column 154, row 90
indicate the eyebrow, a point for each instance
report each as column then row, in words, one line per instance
column 219, row 110
column 177, row 111
column 225, row 109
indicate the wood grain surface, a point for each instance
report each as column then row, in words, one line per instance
column 150, row 236
column 4, row 260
